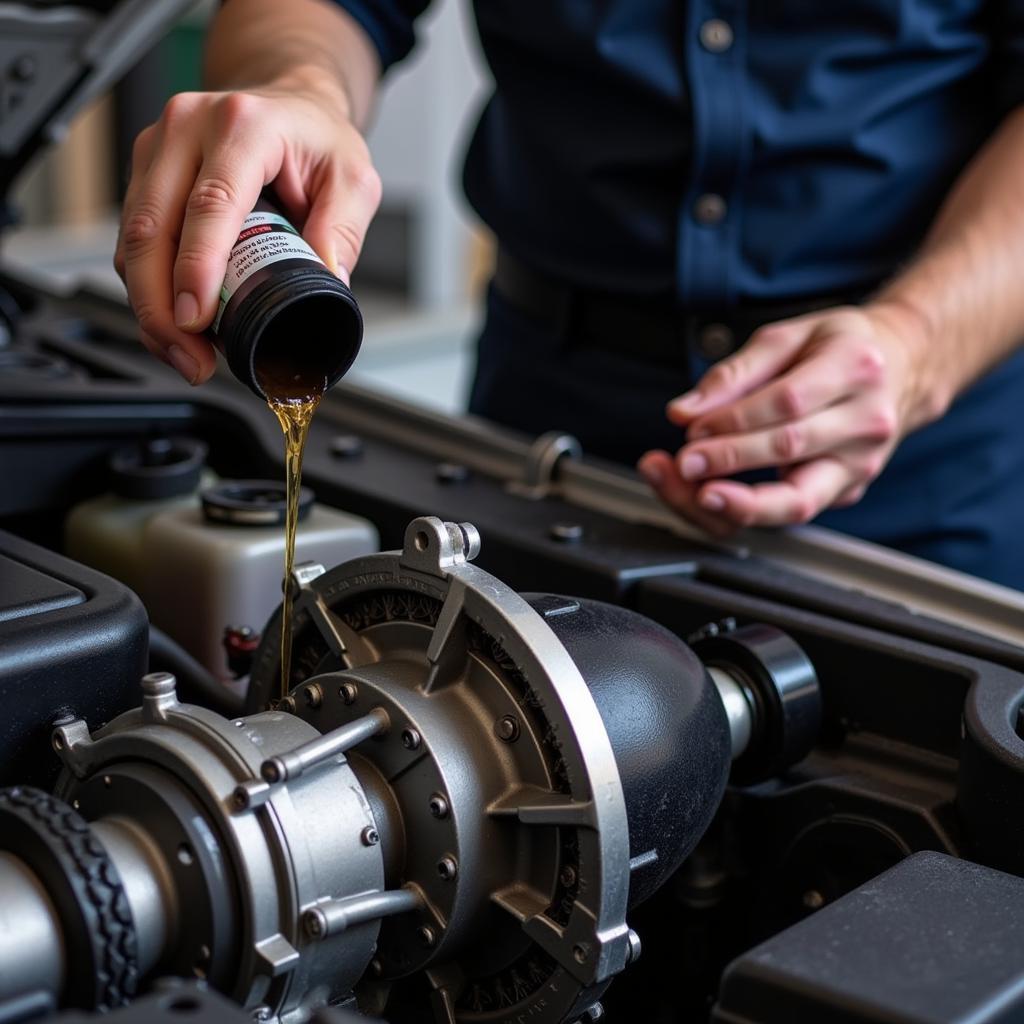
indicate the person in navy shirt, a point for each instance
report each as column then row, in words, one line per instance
column 772, row 253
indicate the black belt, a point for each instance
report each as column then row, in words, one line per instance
column 649, row 329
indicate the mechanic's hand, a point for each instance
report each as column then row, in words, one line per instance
column 198, row 172
column 824, row 398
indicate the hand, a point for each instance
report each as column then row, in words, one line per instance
column 198, row 172
column 824, row 398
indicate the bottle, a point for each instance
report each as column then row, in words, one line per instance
column 282, row 312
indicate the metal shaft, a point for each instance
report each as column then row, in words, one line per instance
column 737, row 709
column 32, row 956
column 338, row 915
column 292, row 764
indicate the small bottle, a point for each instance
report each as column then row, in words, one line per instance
column 282, row 313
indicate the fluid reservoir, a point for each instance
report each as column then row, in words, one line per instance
column 157, row 475
column 220, row 564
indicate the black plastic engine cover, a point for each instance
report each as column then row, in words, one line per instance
column 935, row 940
column 666, row 724
column 72, row 642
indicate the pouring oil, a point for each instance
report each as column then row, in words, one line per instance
column 293, row 396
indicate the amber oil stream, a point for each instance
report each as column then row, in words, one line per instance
column 293, row 395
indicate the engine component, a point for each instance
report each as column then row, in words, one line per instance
column 465, row 794
column 933, row 939
column 201, row 562
column 71, row 640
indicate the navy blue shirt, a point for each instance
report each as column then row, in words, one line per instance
column 725, row 151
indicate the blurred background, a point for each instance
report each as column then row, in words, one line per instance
column 426, row 259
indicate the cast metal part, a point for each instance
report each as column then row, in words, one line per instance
column 524, row 904
column 289, row 851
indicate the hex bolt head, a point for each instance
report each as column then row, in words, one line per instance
column 507, row 728
column 411, row 739
column 448, row 868
column 348, row 692
column 438, row 805
column 286, row 704
column 427, row 936
column 313, row 695
column 593, row 1013
column 369, row 836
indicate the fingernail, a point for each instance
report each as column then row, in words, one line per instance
column 652, row 473
column 186, row 309
column 687, row 402
column 183, row 363
column 712, row 501
column 694, row 466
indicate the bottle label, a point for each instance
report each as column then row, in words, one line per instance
column 265, row 238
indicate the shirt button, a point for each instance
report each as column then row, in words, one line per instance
column 715, row 341
column 710, row 208
column 716, row 35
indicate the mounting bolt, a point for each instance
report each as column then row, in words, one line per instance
column 507, row 728
column 438, row 805
column 411, row 739
column 447, row 868
column 314, row 922
column 568, row 876
column 262, row 1013
column 427, row 936
column 580, row 952
column 370, row 836
column 592, row 1013
column 348, row 692
column 286, row 704
column 635, row 947
column 313, row 695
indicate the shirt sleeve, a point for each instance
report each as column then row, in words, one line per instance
column 1008, row 51
column 389, row 24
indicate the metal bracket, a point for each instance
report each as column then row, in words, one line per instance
column 434, row 547
column 542, row 460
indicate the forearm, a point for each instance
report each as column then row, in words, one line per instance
column 963, row 296
column 253, row 43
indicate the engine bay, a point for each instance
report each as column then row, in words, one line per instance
column 544, row 755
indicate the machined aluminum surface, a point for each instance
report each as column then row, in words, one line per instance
column 298, row 847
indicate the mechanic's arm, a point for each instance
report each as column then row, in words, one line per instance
column 827, row 397
column 295, row 82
